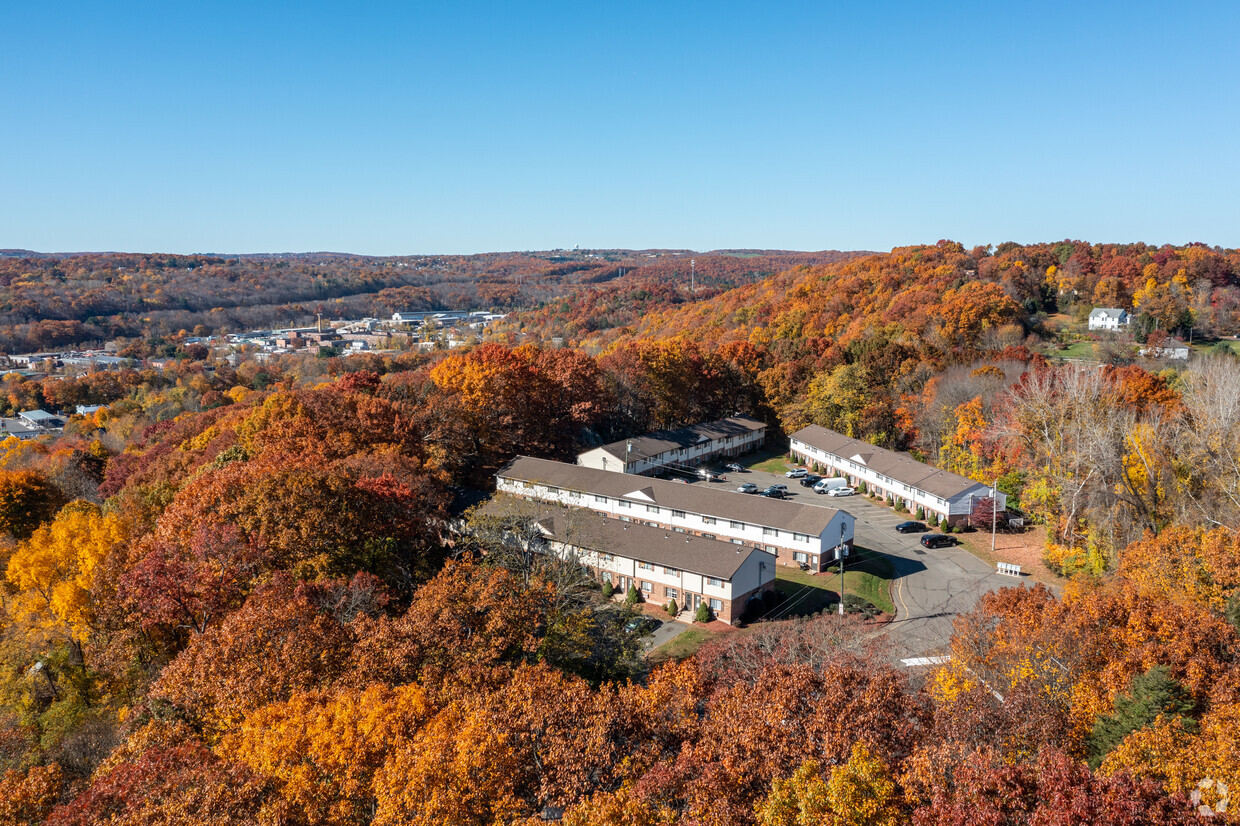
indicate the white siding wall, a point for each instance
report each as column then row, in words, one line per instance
column 755, row 572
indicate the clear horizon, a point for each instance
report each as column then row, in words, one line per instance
column 398, row 129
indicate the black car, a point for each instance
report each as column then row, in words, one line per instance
column 810, row 481
column 937, row 540
column 641, row 625
column 774, row 493
column 910, row 527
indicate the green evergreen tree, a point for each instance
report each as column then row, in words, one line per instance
column 632, row 597
column 1150, row 694
column 608, row 589
column 703, row 613
column 672, row 608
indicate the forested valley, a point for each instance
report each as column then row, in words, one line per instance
column 238, row 594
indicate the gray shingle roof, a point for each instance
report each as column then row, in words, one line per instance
column 660, row 546
column 652, row 444
column 1106, row 312
column 753, row 510
column 899, row 466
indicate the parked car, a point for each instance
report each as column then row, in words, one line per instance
column 709, row 476
column 937, row 540
column 778, row 486
column 797, row 473
column 910, row 527
column 771, row 493
column 825, row 484
column 841, row 491
column 748, row 487
column 641, row 625
column 734, row 468
column 810, row 481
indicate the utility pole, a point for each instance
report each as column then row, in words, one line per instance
column 994, row 514
column 841, row 549
column 692, row 275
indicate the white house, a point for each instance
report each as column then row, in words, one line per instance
column 1171, row 350
column 917, row 484
column 662, row 564
column 687, row 447
column 1108, row 318
column 805, row 536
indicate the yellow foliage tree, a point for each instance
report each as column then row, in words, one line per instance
column 53, row 569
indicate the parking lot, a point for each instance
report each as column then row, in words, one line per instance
column 931, row 586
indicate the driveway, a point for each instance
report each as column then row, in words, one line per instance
column 668, row 631
column 931, row 586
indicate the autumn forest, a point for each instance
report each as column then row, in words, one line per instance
column 249, row 591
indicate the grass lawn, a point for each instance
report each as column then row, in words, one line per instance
column 683, row 645
column 771, row 464
column 868, row 575
column 1077, row 350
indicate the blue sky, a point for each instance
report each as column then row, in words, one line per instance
column 419, row 127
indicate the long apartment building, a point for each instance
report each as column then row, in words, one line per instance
column 805, row 536
column 939, row 492
column 662, row 564
column 686, row 447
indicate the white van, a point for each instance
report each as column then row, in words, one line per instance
column 830, row 484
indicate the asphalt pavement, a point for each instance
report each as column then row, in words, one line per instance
column 931, row 587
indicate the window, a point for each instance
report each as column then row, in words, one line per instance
column 714, row 582
column 624, row 504
column 647, row 587
column 652, row 509
column 645, row 566
column 679, row 530
column 735, row 524
column 602, row 499
column 678, row 514
column 552, row 489
column 800, row 557
column 605, row 558
column 737, row 542
column 800, row 537
column 626, row 519
column 708, row 520
column 771, row 548
column 672, row 593
column 770, row 532
column 670, row 571
column 708, row 536
column 716, row 605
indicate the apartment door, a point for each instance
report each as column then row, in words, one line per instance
column 697, row 602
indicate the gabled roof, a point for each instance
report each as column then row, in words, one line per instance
column 653, row 444
column 899, row 466
column 1107, row 312
column 722, row 504
column 594, row 531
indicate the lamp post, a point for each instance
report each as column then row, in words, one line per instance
column 839, row 552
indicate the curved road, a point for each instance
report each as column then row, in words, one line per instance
column 931, row 586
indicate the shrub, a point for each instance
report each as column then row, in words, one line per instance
column 901, row 507
column 703, row 613
column 920, row 515
column 608, row 589
column 633, row 596
column 672, row 608
column 863, row 487
column 854, row 604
